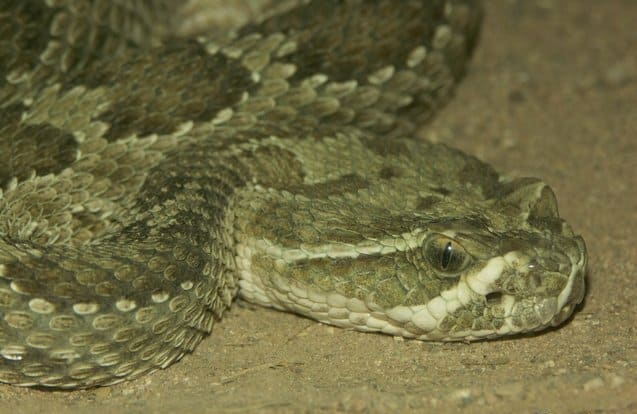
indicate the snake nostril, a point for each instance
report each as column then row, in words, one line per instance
column 494, row 298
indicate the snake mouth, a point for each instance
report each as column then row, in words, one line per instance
column 540, row 292
column 518, row 292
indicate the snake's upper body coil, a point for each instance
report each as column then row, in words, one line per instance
column 146, row 181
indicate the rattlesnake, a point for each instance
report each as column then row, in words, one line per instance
column 146, row 181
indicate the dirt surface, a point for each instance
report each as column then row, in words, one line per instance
column 552, row 92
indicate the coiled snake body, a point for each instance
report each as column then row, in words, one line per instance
column 146, row 181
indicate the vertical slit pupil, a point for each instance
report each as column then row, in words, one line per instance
column 447, row 252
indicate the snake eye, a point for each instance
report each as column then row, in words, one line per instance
column 446, row 255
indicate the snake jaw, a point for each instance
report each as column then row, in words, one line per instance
column 527, row 289
column 537, row 288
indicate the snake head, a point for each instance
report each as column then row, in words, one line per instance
column 519, row 268
column 431, row 244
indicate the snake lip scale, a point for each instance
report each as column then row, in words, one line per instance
column 147, row 180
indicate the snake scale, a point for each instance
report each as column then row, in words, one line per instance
column 146, row 181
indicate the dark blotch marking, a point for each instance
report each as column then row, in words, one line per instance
column 42, row 148
column 494, row 298
column 196, row 181
column 390, row 172
column 478, row 174
column 516, row 96
column 552, row 224
column 545, row 206
column 347, row 184
column 426, row 203
column 441, row 190
column 544, row 213
column 509, row 189
column 350, row 41
column 387, row 147
column 158, row 90
column 275, row 167
column 542, row 210
column 22, row 37
column 472, row 225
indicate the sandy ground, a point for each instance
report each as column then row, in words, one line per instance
column 552, row 93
